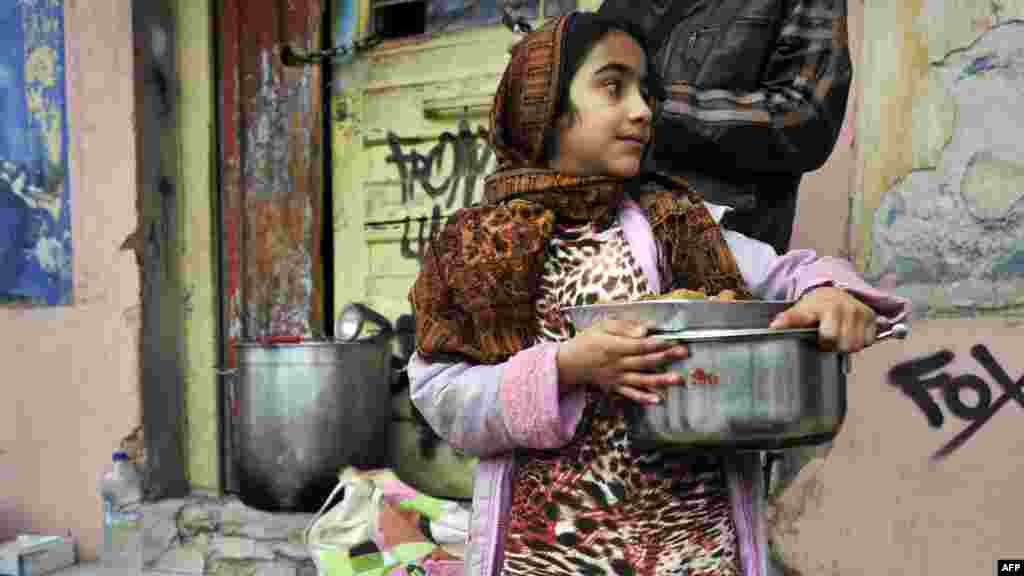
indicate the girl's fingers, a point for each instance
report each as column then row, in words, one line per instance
column 829, row 330
column 862, row 331
column 655, row 360
column 871, row 332
column 637, row 395
column 641, row 380
column 624, row 328
column 628, row 347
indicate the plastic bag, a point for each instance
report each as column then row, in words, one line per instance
column 357, row 536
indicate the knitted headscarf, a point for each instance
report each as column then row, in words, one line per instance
column 474, row 296
column 535, row 88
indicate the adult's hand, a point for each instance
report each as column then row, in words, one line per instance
column 618, row 357
column 844, row 323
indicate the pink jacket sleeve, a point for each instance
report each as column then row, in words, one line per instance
column 489, row 410
column 793, row 274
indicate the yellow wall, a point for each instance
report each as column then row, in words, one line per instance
column 197, row 248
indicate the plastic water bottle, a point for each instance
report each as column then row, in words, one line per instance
column 121, row 491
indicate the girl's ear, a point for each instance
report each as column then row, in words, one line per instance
column 553, row 134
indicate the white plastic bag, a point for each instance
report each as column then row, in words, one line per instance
column 352, row 522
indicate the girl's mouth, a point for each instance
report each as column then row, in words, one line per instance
column 638, row 140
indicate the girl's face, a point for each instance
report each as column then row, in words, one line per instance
column 608, row 123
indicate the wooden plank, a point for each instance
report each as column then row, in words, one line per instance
column 197, row 248
column 162, row 370
column 230, row 226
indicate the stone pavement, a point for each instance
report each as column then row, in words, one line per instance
column 221, row 536
column 218, row 536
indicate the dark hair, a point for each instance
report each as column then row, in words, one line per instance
column 584, row 31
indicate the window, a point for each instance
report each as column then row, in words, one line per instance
column 399, row 18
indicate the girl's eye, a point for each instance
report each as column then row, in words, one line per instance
column 614, row 87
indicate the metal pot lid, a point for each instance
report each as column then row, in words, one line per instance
column 679, row 315
column 744, row 333
column 281, row 343
column 897, row 331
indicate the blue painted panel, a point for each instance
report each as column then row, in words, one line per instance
column 35, row 215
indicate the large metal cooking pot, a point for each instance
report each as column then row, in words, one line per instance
column 307, row 410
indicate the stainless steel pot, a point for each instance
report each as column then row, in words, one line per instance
column 678, row 315
column 749, row 389
column 307, row 410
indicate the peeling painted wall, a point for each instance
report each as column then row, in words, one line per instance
column 272, row 162
column 71, row 374
column 942, row 212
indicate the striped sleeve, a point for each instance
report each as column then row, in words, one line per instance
column 792, row 121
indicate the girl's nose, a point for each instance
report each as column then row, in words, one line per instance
column 640, row 109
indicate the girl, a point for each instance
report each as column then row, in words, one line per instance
column 567, row 220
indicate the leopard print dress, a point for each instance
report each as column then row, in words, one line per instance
column 598, row 506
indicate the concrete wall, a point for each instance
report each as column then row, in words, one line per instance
column 71, row 374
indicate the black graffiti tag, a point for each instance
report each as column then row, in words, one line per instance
column 470, row 155
column 428, row 229
column 913, row 379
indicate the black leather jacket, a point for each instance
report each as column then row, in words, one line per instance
column 756, row 94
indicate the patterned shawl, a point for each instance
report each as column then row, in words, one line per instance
column 475, row 293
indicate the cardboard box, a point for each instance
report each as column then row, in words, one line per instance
column 36, row 554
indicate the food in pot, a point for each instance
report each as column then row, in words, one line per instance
column 686, row 294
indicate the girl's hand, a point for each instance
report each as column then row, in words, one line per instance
column 844, row 323
column 617, row 357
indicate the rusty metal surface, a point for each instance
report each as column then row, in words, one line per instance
column 272, row 163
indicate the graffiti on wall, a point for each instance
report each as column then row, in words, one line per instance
column 448, row 173
column 919, row 377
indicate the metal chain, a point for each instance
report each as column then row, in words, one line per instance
column 292, row 57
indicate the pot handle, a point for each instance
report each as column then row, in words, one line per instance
column 899, row 331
